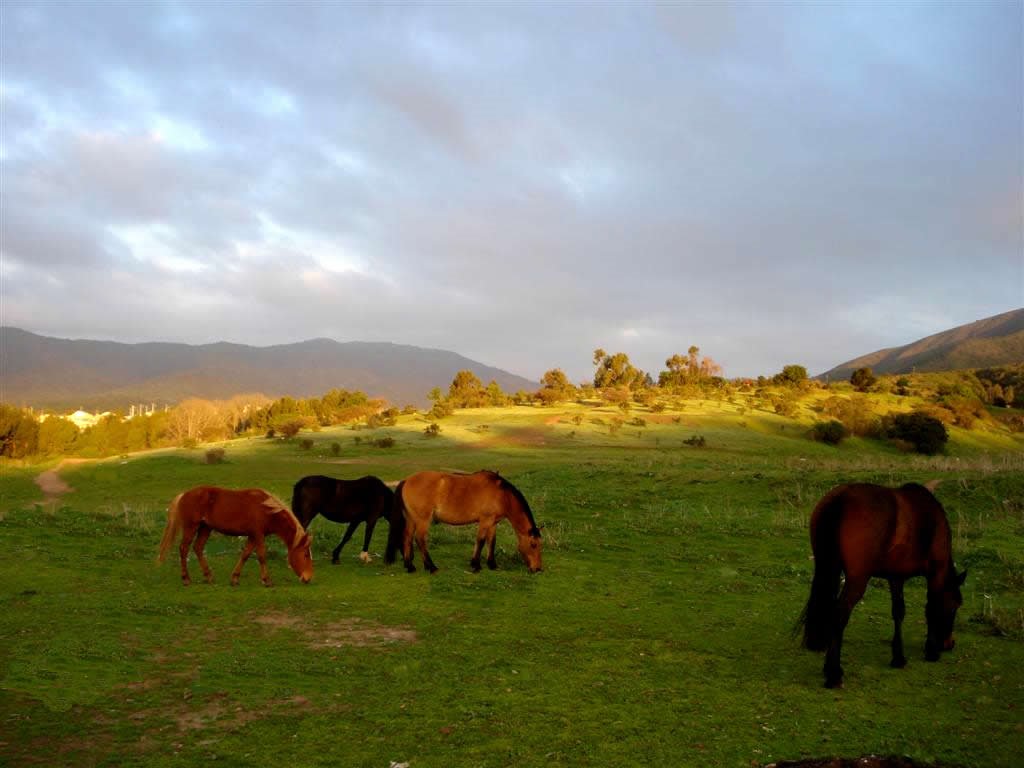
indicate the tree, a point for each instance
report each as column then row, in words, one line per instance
column 192, row 419
column 555, row 386
column 19, row 432
column 863, row 379
column 57, row 436
column 616, row 371
column 791, row 376
column 495, row 396
column 925, row 433
column 467, row 391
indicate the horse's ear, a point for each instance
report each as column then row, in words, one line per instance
column 961, row 578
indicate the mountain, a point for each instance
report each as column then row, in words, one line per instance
column 997, row 340
column 46, row 372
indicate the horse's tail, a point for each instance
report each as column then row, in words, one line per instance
column 817, row 616
column 173, row 526
column 396, row 527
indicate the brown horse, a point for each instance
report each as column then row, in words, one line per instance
column 253, row 513
column 863, row 531
column 460, row 499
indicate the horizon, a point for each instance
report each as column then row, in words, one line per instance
column 519, row 185
column 497, row 364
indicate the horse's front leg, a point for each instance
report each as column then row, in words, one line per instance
column 261, row 553
column 344, row 540
column 899, row 610
column 199, row 546
column 852, row 592
column 236, row 574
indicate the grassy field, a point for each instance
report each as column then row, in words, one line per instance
column 658, row 633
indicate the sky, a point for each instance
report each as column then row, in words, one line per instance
column 520, row 183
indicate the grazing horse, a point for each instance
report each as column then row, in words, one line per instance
column 344, row 501
column 864, row 530
column 253, row 513
column 459, row 499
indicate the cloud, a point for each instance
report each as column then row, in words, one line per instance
column 519, row 184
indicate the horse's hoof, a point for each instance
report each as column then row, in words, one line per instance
column 234, row 582
column 838, row 683
column 410, row 569
column 492, row 565
column 474, row 566
column 931, row 656
column 334, row 561
column 899, row 663
column 186, row 582
column 365, row 557
column 268, row 583
column 433, row 569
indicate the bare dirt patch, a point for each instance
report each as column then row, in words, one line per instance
column 51, row 483
column 353, row 632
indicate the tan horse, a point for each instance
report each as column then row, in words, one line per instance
column 253, row 513
column 483, row 497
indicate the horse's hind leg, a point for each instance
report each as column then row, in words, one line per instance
column 421, row 540
column 200, row 544
column 187, row 534
column 899, row 610
column 250, row 545
column 491, row 562
column 371, row 523
column 481, row 539
column 407, row 547
column 852, row 592
column 344, row 540
column 261, row 553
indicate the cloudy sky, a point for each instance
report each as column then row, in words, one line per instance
column 518, row 183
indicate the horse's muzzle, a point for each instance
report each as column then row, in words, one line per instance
column 306, row 579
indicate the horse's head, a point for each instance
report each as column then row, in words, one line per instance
column 941, row 613
column 530, row 545
column 300, row 558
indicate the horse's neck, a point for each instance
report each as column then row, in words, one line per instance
column 284, row 526
column 518, row 518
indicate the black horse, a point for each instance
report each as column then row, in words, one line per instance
column 344, row 501
column 864, row 530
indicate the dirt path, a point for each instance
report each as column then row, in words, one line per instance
column 51, row 483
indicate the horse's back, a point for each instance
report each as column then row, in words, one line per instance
column 452, row 498
column 237, row 512
column 880, row 531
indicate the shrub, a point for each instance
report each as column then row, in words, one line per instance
column 697, row 441
column 829, row 432
column 271, row 434
column 657, row 407
column 384, row 442
column 215, row 456
column 639, row 422
column 335, row 449
column 291, row 427
column 928, row 435
column 432, row 430
column 306, row 444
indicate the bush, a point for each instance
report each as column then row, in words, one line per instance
column 657, row 408
column 697, row 441
column 829, row 432
column 432, row 430
column 215, row 456
column 384, row 442
column 306, row 444
column 639, row 422
column 271, row 434
column 928, row 435
column 291, row 427
column 335, row 449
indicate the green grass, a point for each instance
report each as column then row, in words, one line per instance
column 658, row 633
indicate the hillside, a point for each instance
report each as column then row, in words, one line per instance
column 997, row 340
column 46, row 372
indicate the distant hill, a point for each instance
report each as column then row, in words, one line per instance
column 993, row 341
column 46, row 372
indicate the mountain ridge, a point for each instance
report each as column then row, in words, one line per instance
column 49, row 372
column 991, row 341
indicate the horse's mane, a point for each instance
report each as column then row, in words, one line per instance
column 507, row 486
column 276, row 506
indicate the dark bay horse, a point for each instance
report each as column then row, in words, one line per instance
column 253, row 513
column 365, row 500
column 864, row 531
column 483, row 497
